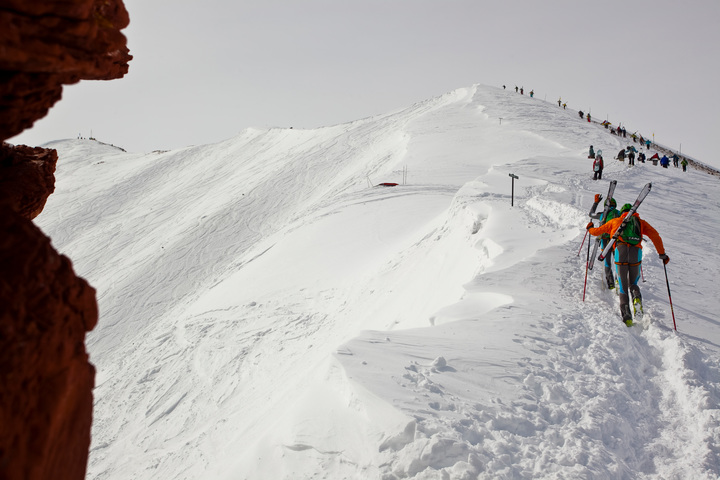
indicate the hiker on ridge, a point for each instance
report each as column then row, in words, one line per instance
column 612, row 214
column 591, row 154
column 598, row 166
column 628, row 258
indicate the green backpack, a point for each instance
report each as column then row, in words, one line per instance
column 612, row 213
column 632, row 232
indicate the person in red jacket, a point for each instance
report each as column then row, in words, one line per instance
column 628, row 257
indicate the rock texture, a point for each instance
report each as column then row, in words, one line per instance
column 26, row 178
column 45, row 377
column 49, row 43
column 46, row 380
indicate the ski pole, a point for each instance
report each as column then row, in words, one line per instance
column 669, row 296
column 583, row 243
column 642, row 274
column 587, row 262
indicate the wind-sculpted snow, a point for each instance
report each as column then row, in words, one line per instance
column 267, row 313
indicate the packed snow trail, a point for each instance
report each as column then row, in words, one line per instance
column 265, row 314
column 579, row 395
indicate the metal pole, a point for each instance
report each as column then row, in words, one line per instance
column 587, row 263
column 583, row 243
column 669, row 297
column 512, row 191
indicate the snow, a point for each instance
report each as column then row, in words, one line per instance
column 268, row 312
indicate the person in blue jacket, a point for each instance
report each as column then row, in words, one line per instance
column 664, row 161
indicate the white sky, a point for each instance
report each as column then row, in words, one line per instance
column 204, row 71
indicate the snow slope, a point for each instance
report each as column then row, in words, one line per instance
column 266, row 313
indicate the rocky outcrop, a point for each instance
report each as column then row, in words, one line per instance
column 46, row 379
column 26, row 178
column 50, row 43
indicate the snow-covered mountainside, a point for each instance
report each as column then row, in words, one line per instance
column 268, row 312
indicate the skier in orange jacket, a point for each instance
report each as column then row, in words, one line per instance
column 628, row 257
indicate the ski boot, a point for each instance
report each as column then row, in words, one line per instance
column 626, row 315
column 637, row 307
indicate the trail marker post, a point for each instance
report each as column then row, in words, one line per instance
column 512, row 191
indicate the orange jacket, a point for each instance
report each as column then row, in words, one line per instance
column 645, row 229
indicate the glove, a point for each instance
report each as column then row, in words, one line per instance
column 590, row 225
column 664, row 258
column 598, row 197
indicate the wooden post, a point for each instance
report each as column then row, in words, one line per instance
column 512, row 191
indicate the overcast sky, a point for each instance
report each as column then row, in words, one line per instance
column 205, row 70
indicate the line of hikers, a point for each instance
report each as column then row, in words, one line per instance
column 629, row 153
column 626, row 253
column 521, row 90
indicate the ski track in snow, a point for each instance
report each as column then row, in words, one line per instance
column 265, row 314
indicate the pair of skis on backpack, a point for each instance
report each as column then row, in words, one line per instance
column 608, row 248
column 638, row 314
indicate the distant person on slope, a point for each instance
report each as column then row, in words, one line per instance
column 630, row 153
column 598, row 166
column 684, row 164
column 628, row 257
column 621, row 155
column 591, row 153
column 664, row 161
column 612, row 214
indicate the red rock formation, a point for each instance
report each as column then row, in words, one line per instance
column 45, row 377
column 46, row 380
column 46, row 44
column 26, row 178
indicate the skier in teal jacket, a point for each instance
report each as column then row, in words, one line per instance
column 613, row 213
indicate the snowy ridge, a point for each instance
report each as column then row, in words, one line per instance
column 266, row 314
